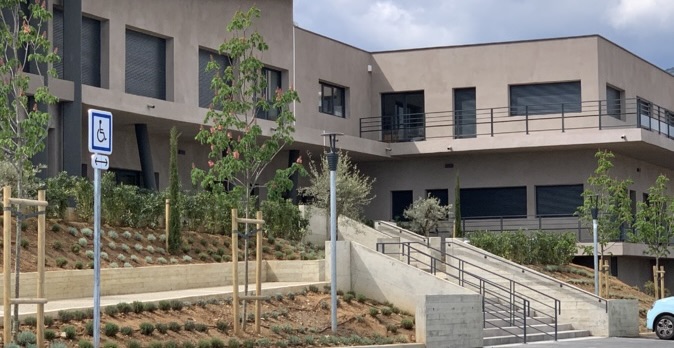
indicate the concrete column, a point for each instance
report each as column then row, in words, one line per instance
column 71, row 132
column 343, row 264
column 145, row 155
column 435, row 245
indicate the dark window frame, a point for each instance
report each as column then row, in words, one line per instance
column 492, row 202
column 327, row 107
column 269, row 93
column 443, row 198
column 406, row 125
column 206, row 93
column 91, row 73
column 543, row 91
column 140, row 88
column 542, row 205
column 401, row 216
column 614, row 106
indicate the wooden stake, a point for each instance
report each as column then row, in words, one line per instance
column 235, row 270
column 167, row 215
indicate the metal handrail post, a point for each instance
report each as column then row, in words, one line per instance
column 562, row 117
column 525, row 321
column 526, row 118
column 600, row 115
column 492, row 121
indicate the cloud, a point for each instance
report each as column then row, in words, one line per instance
column 644, row 15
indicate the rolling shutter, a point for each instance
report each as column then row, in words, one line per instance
column 145, row 65
column 545, row 98
column 205, row 77
column 559, row 200
column 91, row 52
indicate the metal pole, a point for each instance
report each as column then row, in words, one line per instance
column 596, row 257
column 333, row 245
column 97, row 257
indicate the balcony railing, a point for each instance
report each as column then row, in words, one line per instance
column 459, row 124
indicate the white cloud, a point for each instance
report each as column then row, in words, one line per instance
column 643, row 14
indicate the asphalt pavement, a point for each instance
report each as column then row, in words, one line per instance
column 647, row 341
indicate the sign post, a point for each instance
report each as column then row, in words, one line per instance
column 100, row 145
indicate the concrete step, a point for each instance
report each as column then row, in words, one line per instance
column 531, row 329
column 505, row 322
column 534, row 337
column 501, row 314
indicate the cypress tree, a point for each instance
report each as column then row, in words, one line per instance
column 175, row 240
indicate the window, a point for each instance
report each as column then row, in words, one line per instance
column 507, row 202
column 273, row 78
column 614, row 99
column 403, row 116
column 205, row 77
column 441, row 194
column 90, row 59
column 131, row 177
column 465, row 118
column 332, row 100
column 558, row 200
column 145, row 65
column 400, row 200
column 644, row 112
column 545, row 98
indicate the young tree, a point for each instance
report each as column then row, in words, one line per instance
column 353, row 187
column 611, row 197
column 239, row 149
column 425, row 213
column 655, row 222
column 174, row 237
column 23, row 126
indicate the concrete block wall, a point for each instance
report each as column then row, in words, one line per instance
column 449, row 321
column 117, row 281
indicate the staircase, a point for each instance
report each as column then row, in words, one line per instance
column 514, row 312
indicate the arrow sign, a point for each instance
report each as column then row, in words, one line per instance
column 100, row 161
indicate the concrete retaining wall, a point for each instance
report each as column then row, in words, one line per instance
column 347, row 229
column 117, row 281
column 446, row 314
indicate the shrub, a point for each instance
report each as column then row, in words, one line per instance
column 124, row 308
column 126, row 235
column 49, row 335
column 127, row 265
column 85, row 344
column 386, row 311
column 138, row 247
column 200, row 327
column 392, row 328
column 190, row 325
column 79, row 265
column 222, row 326
column 204, row 344
column 171, row 344
column 75, row 248
column 109, row 345
column 104, row 256
column 187, row 258
column 173, row 260
column 150, row 307
column 48, row 320
column 148, row 259
column 175, row 327
column 121, row 257
column 188, row 344
column 110, row 329
column 65, row 316
column 176, row 305
column 233, row 343
column 203, row 256
column 407, row 324
column 73, row 231
column 111, row 311
column 313, row 288
column 284, row 219
column 57, row 245
column 57, row 344
column 217, row 343
column 374, row 312
column 146, row 328
column 126, row 331
column 87, row 232
column 134, row 258
column 160, row 250
column 133, row 344
column 361, row 298
column 89, row 328
column 151, row 238
column 89, row 254
column 112, row 234
column 70, row 332
column 30, row 321
column 154, row 344
column 137, row 307
column 112, row 245
column 125, row 248
column 165, row 305
column 150, row 249
column 348, row 298
column 161, row 328
column 161, row 261
column 137, row 236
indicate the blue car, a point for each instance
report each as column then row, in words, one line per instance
column 660, row 318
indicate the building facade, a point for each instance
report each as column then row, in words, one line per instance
column 518, row 122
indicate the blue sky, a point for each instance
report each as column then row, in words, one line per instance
column 645, row 27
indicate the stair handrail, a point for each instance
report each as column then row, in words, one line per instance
column 513, row 283
column 381, row 247
column 403, row 231
column 525, row 269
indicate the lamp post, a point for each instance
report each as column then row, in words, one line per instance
column 594, row 200
column 333, row 158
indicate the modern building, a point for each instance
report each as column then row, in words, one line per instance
column 518, row 122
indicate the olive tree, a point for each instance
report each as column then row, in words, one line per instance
column 425, row 214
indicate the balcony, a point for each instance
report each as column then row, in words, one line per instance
column 535, row 118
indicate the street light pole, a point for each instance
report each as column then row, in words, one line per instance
column 333, row 159
column 595, row 223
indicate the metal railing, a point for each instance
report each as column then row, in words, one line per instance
column 601, row 114
column 508, row 304
column 547, row 223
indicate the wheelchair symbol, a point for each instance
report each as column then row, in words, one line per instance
column 100, row 134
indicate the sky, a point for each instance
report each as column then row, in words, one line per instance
column 644, row 27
